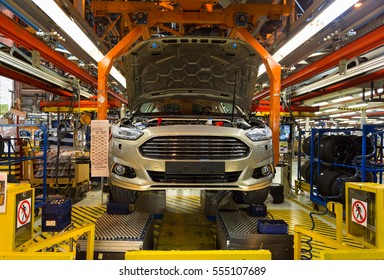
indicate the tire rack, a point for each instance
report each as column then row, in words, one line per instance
column 7, row 159
column 378, row 133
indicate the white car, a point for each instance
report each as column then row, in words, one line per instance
column 189, row 124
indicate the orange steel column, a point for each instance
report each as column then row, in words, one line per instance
column 105, row 65
column 274, row 73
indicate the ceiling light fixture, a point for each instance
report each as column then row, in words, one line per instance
column 331, row 110
column 348, row 114
column 320, row 104
column 335, row 115
column 78, row 36
column 341, row 99
column 334, row 10
column 358, row 4
column 358, row 105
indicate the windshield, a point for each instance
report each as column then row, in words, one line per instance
column 186, row 107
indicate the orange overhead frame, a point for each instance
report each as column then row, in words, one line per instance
column 190, row 12
column 22, row 37
column 274, row 73
column 224, row 17
column 105, row 65
column 24, row 78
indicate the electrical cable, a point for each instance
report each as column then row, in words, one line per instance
column 300, row 132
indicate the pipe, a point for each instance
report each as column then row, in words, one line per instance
column 365, row 43
column 11, row 74
column 340, row 86
column 15, row 32
column 19, row 15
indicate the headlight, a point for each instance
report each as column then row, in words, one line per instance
column 259, row 134
column 128, row 133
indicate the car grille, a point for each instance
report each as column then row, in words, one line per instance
column 161, row 177
column 194, row 148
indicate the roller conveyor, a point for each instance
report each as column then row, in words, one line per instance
column 237, row 230
column 119, row 233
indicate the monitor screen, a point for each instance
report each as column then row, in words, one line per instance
column 285, row 132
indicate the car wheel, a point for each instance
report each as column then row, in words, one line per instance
column 123, row 195
column 255, row 197
column 304, row 170
column 325, row 181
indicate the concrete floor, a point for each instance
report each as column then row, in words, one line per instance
column 96, row 198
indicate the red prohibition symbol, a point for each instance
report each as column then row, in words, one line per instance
column 24, row 212
column 359, row 212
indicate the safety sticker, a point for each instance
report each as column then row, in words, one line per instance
column 359, row 212
column 23, row 212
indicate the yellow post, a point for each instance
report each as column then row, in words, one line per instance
column 296, row 244
column 337, row 208
column 17, row 222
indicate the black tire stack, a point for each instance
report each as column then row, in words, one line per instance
column 334, row 149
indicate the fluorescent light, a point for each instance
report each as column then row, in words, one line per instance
column 78, row 36
column 335, row 115
column 331, row 110
column 341, row 99
column 348, row 114
column 320, row 104
column 303, row 62
column 316, row 54
column 374, row 110
column 358, row 105
column 318, row 113
column 358, row 4
column 341, row 119
column 333, row 11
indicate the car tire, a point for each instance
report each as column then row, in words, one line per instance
column 337, row 149
column 255, row 197
column 306, row 147
column 325, row 181
column 304, row 170
column 123, row 195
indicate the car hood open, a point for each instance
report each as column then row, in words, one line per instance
column 212, row 68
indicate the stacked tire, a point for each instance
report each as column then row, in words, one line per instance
column 339, row 149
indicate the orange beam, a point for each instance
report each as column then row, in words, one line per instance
column 15, row 32
column 274, row 73
column 267, row 108
column 340, row 86
column 105, row 65
column 83, row 104
column 365, row 43
column 23, row 78
column 183, row 16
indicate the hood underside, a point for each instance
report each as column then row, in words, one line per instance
column 210, row 68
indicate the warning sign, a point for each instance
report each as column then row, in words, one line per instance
column 24, row 212
column 359, row 212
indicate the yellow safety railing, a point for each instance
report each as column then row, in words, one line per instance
column 199, row 255
column 67, row 235
column 343, row 251
column 37, row 255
